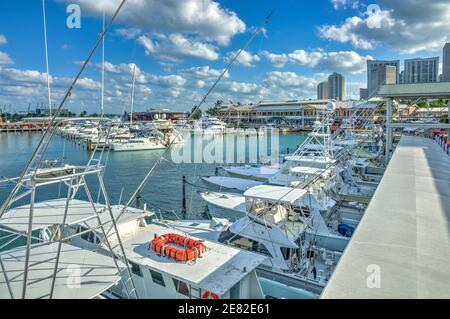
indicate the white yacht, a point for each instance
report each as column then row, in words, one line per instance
column 211, row 125
column 220, row 272
column 285, row 225
column 138, row 144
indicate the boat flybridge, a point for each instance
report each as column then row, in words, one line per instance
column 113, row 248
column 285, row 225
column 210, row 126
column 49, row 265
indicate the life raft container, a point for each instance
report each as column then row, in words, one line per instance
column 210, row 295
column 193, row 248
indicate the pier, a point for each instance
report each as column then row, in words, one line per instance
column 401, row 249
column 22, row 127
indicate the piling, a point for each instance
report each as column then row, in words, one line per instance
column 184, row 195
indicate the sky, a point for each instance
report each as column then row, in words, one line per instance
column 180, row 47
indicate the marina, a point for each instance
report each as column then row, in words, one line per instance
column 304, row 199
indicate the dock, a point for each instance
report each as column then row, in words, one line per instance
column 19, row 127
column 401, row 249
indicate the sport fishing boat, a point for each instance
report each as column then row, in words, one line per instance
column 155, row 260
column 210, row 126
column 285, row 225
column 138, row 144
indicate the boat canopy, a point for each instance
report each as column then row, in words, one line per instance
column 305, row 170
column 311, row 159
column 49, row 213
column 98, row 273
column 276, row 194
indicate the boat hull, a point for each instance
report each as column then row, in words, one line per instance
column 221, row 212
column 126, row 148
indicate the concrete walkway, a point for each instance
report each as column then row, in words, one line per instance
column 401, row 248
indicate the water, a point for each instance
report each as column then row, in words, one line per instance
column 124, row 172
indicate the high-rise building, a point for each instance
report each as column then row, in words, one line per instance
column 402, row 77
column 336, row 83
column 322, row 91
column 376, row 75
column 446, row 63
column 421, row 70
column 363, row 94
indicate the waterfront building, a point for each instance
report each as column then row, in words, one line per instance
column 380, row 73
column 336, row 84
column 421, row 70
column 299, row 114
column 446, row 63
column 363, row 94
column 155, row 114
column 322, row 90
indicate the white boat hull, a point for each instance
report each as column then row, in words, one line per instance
column 233, row 184
column 147, row 147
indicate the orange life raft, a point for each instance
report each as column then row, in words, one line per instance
column 193, row 248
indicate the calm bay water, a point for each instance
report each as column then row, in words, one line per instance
column 123, row 174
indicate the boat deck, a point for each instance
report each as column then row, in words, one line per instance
column 401, row 247
column 51, row 212
column 82, row 274
column 219, row 269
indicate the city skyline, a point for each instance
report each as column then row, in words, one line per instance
column 177, row 62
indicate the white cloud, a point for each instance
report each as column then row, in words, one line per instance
column 205, row 19
column 338, row 4
column 3, row 40
column 342, row 61
column 175, row 47
column 278, row 60
column 203, row 72
column 407, row 26
column 5, row 59
column 128, row 33
column 245, row 58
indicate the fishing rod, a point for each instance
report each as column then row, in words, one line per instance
column 51, row 126
column 196, row 108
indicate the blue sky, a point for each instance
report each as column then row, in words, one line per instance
column 180, row 47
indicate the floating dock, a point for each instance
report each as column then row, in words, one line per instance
column 401, row 249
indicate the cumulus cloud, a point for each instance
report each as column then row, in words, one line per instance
column 206, row 19
column 128, row 33
column 203, row 72
column 175, row 47
column 5, row 59
column 408, row 26
column 278, row 60
column 3, row 39
column 342, row 61
column 245, row 58
column 338, row 4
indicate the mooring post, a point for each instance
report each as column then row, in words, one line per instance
column 216, row 172
column 138, row 200
column 184, row 194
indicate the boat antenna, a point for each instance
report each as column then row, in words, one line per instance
column 103, row 67
column 50, row 131
column 196, row 108
column 132, row 94
column 46, row 60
